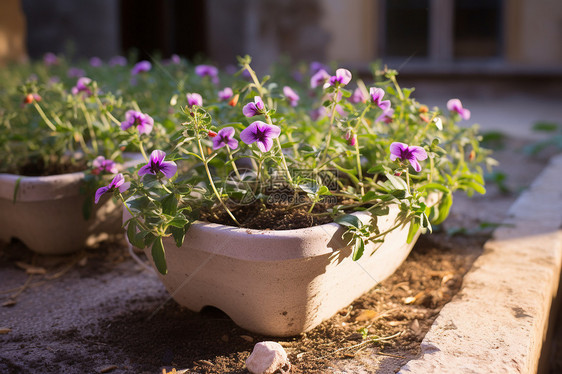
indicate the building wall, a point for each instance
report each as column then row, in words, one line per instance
column 534, row 32
column 12, row 32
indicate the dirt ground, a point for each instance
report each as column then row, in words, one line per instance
column 99, row 311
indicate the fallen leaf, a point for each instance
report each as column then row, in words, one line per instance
column 247, row 338
column 4, row 330
column 30, row 269
column 396, row 323
column 205, row 362
column 415, row 327
column 366, row 315
column 10, row 302
column 107, row 369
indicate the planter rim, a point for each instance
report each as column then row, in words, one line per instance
column 231, row 241
column 49, row 187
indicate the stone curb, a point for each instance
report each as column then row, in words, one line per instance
column 497, row 322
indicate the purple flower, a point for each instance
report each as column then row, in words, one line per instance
column 194, row 99
column 377, row 94
column 142, row 121
column 318, row 113
column 175, row 59
column 100, row 164
column 157, row 164
column 74, row 72
column 358, row 96
column 342, row 77
column 411, row 153
column 261, row 133
column 224, row 137
column 226, row 93
column 291, row 96
column 50, row 59
column 118, row 182
column 118, row 61
column 255, row 108
column 141, row 67
column 455, row 105
column 82, row 86
column 386, row 116
column 96, row 62
column 319, row 78
column 316, row 66
column 208, row 71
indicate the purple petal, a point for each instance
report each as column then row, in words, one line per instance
column 124, row 187
column 265, row 144
column 415, row 164
column 98, row 162
column 396, row 150
column 384, row 105
column 418, row 152
column 157, row 156
column 250, row 110
column 226, row 132
column 271, row 131
column 218, row 142
column 100, row 191
column 145, row 170
column 248, row 135
column 465, row 114
column 144, row 128
column 319, row 78
column 168, row 168
column 454, row 105
column 232, row 143
column 259, row 103
column 344, row 76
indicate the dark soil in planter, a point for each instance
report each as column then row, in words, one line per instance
column 39, row 168
column 272, row 216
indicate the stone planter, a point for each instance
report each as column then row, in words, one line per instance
column 47, row 213
column 278, row 283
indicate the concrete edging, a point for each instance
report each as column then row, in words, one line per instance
column 497, row 322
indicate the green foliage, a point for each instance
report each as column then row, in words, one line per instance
column 330, row 147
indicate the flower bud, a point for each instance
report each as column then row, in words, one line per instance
column 472, row 155
column 423, row 109
column 234, row 100
column 212, row 134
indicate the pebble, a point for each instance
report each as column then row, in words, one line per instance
column 268, row 357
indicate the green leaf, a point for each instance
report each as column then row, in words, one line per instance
column 545, row 126
column 396, row 182
column 476, row 187
column 434, row 186
column 444, row 208
column 358, row 248
column 16, row 189
column 324, row 191
column 159, row 256
column 170, row 205
column 179, row 221
column 135, row 238
column 138, row 204
column 414, row 227
column 349, row 220
column 370, row 195
column 178, row 233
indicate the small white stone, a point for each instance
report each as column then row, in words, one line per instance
column 266, row 358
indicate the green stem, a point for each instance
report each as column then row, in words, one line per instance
column 233, row 163
column 211, row 178
column 332, row 117
column 141, row 148
column 359, row 170
column 90, row 127
column 42, row 114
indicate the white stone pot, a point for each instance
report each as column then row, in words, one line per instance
column 47, row 213
column 278, row 282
